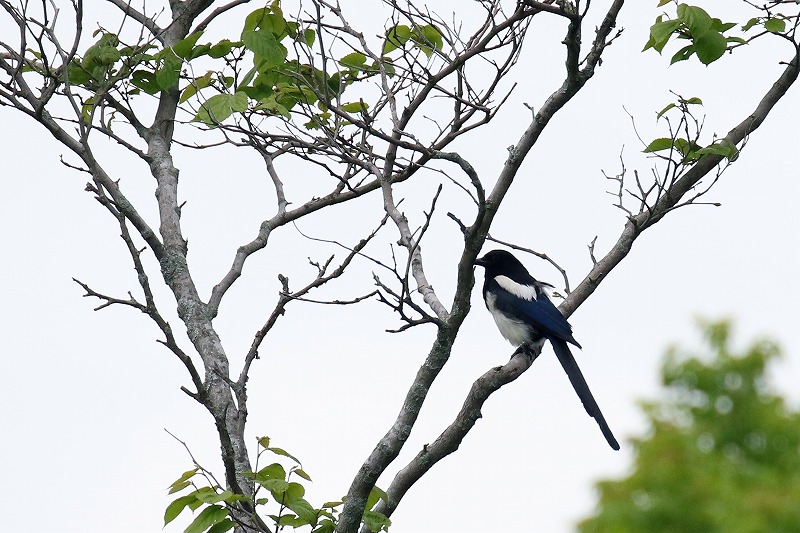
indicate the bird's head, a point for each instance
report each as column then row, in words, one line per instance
column 500, row 262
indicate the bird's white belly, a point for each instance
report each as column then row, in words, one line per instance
column 514, row 331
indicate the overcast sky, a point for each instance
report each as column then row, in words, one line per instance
column 87, row 395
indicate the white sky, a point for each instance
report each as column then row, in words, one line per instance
column 87, row 395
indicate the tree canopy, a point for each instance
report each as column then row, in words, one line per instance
column 722, row 452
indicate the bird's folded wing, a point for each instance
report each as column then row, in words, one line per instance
column 539, row 313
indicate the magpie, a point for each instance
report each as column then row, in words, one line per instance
column 524, row 315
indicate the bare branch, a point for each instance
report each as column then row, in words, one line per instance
column 141, row 18
column 537, row 254
column 110, row 300
column 217, row 12
column 450, row 439
column 286, row 296
column 266, row 229
column 637, row 224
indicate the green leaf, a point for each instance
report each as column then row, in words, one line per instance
column 663, row 143
column 197, row 84
column 750, row 23
column 220, row 106
column 686, row 148
column 213, row 497
column 102, row 55
column 274, row 24
column 200, row 493
column 269, row 52
column 775, row 25
column 376, row 521
column 291, row 521
column 284, row 453
column 710, row 46
column 277, row 487
column 303, row 510
column 696, row 19
column 179, row 487
column 374, row 495
column 169, row 71
column 273, row 471
column 295, row 491
column 694, row 100
column 315, row 123
column 77, row 74
column 331, row 505
column 302, row 473
column 293, row 31
column 355, row 107
column 720, row 26
column 200, row 50
column 682, row 55
column 388, row 67
column 176, row 507
column 325, row 526
column 396, row 37
column 183, row 48
column 353, row 60
column 207, row 518
column 667, row 108
column 254, row 19
column 222, row 526
column 239, row 102
column 651, row 41
column 146, row 81
column 323, row 512
column 88, row 108
column 660, row 33
column 247, row 78
column 663, row 2
column 264, row 442
column 308, row 37
column 257, row 91
column 271, row 105
column 722, row 148
column 433, row 36
column 221, row 49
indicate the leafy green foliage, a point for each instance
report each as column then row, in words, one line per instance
column 269, row 72
column 220, row 106
column 775, row 25
column 185, row 47
column 98, row 61
column 427, row 38
column 688, row 149
column 355, row 60
column 374, row 520
column 286, row 499
column 722, row 453
column 707, row 34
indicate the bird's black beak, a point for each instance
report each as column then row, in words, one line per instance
column 481, row 261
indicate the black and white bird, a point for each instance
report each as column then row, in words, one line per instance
column 524, row 315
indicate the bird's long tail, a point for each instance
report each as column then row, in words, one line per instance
column 579, row 384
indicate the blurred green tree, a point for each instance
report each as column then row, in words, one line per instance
column 722, row 453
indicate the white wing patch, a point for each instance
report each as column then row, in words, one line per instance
column 526, row 292
column 514, row 331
